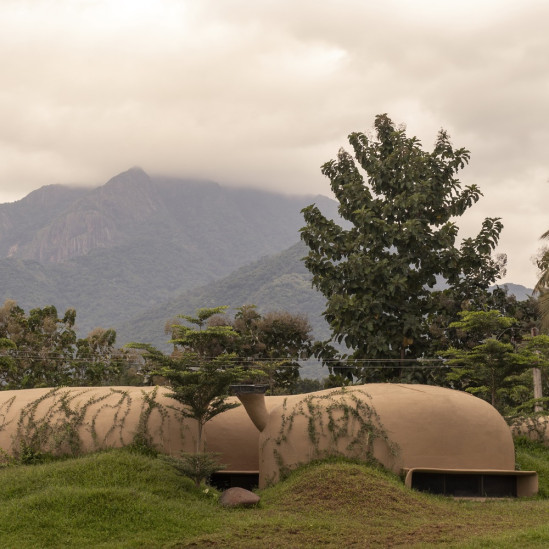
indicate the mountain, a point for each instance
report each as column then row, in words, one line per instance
column 117, row 250
column 522, row 293
column 138, row 250
column 274, row 283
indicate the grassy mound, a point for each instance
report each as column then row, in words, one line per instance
column 118, row 499
column 351, row 488
column 533, row 456
column 112, row 499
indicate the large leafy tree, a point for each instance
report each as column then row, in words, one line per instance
column 378, row 271
column 98, row 362
column 275, row 341
column 40, row 349
column 43, row 346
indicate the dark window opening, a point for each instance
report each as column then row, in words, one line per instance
column 466, row 485
column 222, row 481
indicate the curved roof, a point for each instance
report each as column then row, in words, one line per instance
column 429, row 427
column 425, row 426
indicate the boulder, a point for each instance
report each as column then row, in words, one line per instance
column 238, row 497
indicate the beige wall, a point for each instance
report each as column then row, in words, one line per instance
column 405, row 426
column 425, row 427
column 111, row 418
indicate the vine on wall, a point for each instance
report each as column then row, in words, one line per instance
column 55, row 423
column 341, row 423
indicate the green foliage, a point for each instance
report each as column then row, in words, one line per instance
column 274, row 342
column 203, row 388
column 42, row 350
column 197, row 466
column 119, row 499
column 378, row 275
column 480, row 324
column 542, row 285
column 97, row 361
column 42, row 346
column 534, row 456
column 527, row 409
column 199, row 372
column 491, row 369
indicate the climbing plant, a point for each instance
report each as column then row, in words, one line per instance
column 342, row 422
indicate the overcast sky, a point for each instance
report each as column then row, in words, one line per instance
column 262, row 93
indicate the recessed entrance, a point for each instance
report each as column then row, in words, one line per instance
column 466, row 485
column 222, row 481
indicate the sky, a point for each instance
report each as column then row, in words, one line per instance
column 262, row 93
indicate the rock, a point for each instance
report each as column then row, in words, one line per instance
column 238, row 497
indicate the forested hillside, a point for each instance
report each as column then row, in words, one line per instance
column 137, row 242
column 277, row 282
column 137, row 251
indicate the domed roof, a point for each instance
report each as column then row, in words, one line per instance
column 402, row 426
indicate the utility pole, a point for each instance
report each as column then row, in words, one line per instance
column 536, row 375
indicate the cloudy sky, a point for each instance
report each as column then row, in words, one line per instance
column 261, row 93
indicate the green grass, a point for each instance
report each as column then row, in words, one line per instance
column 532, row 456
column 119, row 499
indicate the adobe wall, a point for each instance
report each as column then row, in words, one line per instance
column 402, row 426
column 86, row 419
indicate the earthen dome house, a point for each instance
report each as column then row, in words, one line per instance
column 439, row 440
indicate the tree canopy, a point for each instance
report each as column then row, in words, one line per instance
column 378, row 271
column 492, row 367
column 41, row 349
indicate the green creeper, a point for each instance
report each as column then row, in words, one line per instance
column 378, row 270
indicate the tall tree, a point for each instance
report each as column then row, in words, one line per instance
column 378, row 275
column 490, row 369
column 542, row 285
column 44, row 346
column 98, row 362
column 40, row 349
column 199, row 371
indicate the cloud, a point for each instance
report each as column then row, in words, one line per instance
column 263, row 93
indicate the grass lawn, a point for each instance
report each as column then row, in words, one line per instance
column 120, row 499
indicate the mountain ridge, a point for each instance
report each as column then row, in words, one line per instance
column 138, row 250
column 136, row 241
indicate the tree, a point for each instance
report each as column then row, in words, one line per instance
column 542, row 285
column 199, row 374
column 378, row 274
column 275, row 342
column 490, row 369
column 199, row 371
column 535, row 349
column 98, row 362
column 41, row 350
column 44, row 346
column 209, row 338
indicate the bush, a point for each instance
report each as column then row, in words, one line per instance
column 198, row 467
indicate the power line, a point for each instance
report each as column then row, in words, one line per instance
column 350, row 364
